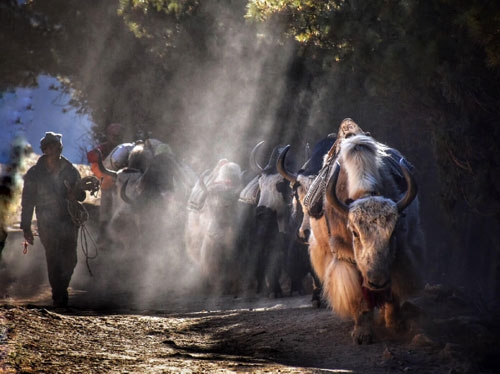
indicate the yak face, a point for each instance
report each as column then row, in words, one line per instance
column 372, row 222
column 271, row 212
column 220, row 213
column 275, row 195
column 229, row 174
column 220, row 187
column 142, row 188
column 158, row 177
column 222, row 202
column 302, row 180
column 300, row 189
column 274, row 190
column 140, row 157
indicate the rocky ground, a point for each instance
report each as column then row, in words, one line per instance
column 237, row 334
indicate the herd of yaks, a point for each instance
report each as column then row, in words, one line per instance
column 349, row 217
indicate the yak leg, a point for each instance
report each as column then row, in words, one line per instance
column 273, row 272
column 260, row 268
column 392, row 315
column 320, row 256
column 343, row 291
column 317, row 290
column 363, row 328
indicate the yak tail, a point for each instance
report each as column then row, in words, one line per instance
column 342, row 288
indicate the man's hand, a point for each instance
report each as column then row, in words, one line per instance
column 90, row 184
column 28, row 236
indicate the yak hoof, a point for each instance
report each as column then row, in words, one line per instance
column 316, row 301
column 397, row 326
column 316, row 298
column 362, row 335
column 275, row 295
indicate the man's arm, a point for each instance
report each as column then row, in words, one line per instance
column 28, row 201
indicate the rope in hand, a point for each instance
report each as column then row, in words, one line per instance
column 84, row 236
column 80, row 215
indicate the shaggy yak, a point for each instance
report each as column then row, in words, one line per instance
column 312, row 231
column 309, row 186
column 375, row 238
column 212, row 232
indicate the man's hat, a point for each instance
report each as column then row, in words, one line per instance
column 50, row 137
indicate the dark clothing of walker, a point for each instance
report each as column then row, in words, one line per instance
column 46, row 192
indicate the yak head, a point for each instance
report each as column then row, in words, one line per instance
column 220, row 187
column 374, row 224
column 300, row 183
column 302, row 180
column 274, row 192
column 147, row 176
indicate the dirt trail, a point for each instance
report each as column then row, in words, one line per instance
column 232, row 334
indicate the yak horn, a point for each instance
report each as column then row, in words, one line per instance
column 331, row 193
column 411, row 190
column 123, row 193
column 103, row 168
column 280, row 165
column 254, row 165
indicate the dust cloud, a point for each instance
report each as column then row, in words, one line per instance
column 222, row 108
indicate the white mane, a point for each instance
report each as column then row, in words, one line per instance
column 361, row 156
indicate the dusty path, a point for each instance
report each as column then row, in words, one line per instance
column 228, row 334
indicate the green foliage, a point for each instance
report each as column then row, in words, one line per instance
column 170, row 7
column 481, row 20
column 140, row 14
column 307, row 20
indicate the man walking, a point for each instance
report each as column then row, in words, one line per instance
column 50, row 187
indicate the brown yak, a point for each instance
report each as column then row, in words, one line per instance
column 376, row 249
column 310, row 186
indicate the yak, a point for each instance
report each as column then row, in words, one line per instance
column 269, row 194
column 213, row 231
column 372, row 212
column 312, row 231
column 152, row 184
